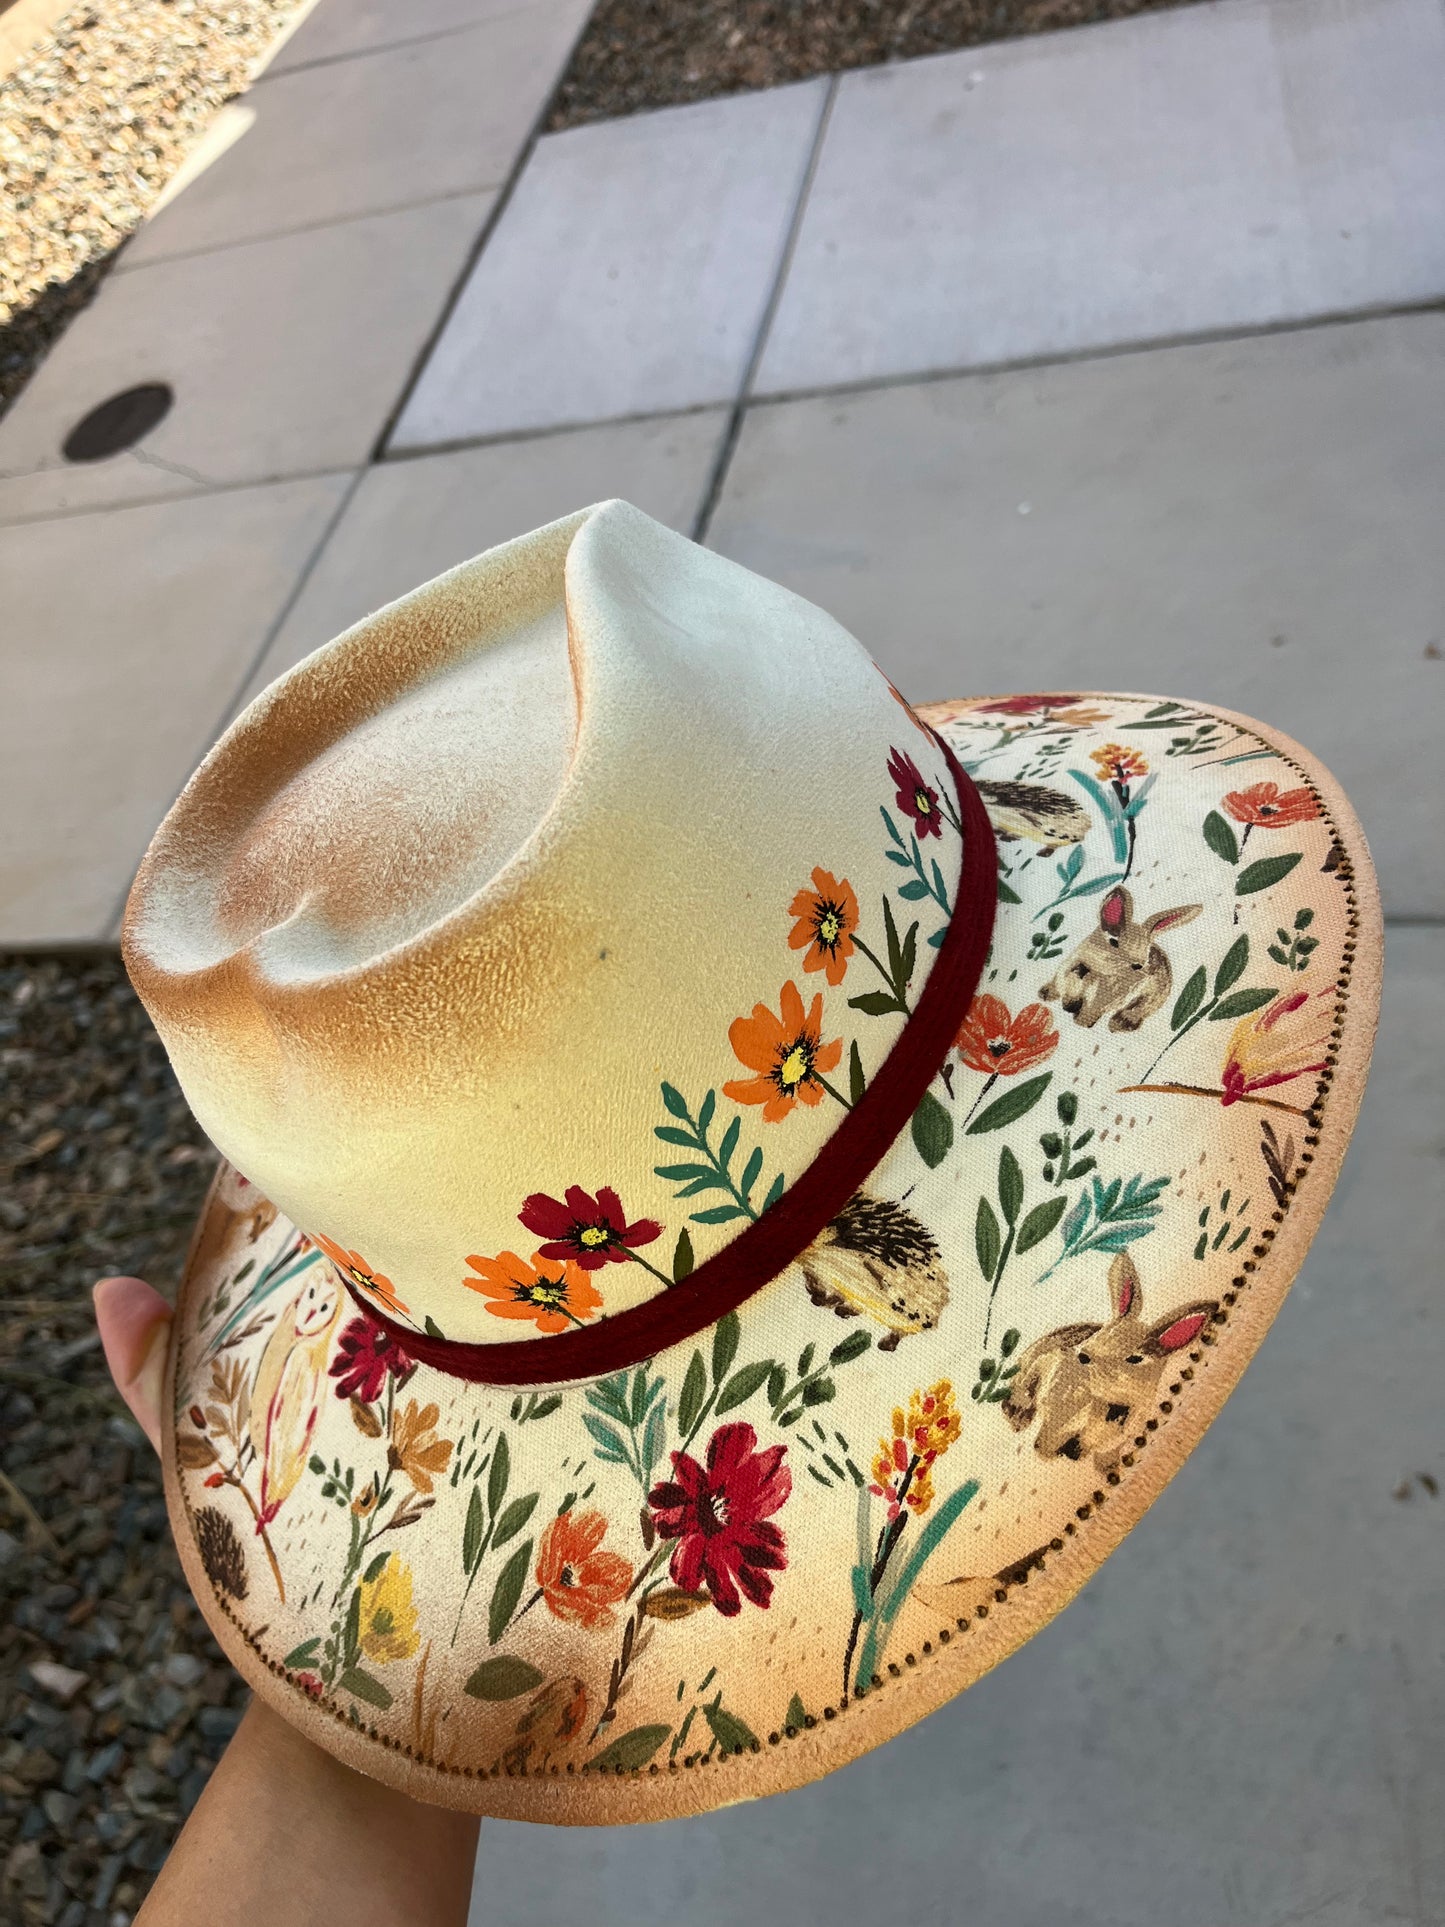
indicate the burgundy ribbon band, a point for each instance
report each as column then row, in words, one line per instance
column 772, row 1242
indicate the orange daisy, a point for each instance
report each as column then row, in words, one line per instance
column 991, row 1041
column 1264, row 806
column 787, row 1054
column 1117, row 764
column 354, row 1267
column 581, row 1583
column 553, row 1292
column 827, row 917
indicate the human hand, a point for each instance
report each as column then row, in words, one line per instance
column 283, row 1830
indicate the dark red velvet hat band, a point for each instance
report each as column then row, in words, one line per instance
column 769, row 1245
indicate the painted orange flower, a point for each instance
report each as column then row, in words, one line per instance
column 353, row 1266
column 415, row 1448
column 1287, row 1039
column 902, row 1465
column 827, row 917
column 553, row 1292
column 1118, row 764
column 991, row 1041
column 581, row 1583
column 1265, row 806
column 786, row 1053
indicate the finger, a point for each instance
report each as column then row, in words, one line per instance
column 135, row 1324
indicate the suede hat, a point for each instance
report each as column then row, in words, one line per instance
column 737, row 1192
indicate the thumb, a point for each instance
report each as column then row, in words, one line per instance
column 135, row 1323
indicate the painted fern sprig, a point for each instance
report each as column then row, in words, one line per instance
column 1107, row 1217
column 709, row 1169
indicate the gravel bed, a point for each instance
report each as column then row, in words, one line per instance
column 657, row 53
column 92, row 126
column 115, row 1702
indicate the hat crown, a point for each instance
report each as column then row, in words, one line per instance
column 462, row 932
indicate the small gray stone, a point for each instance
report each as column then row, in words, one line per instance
column 142, row 1783
column 61, row 1682
column 105, row 1885
column 74, row 1915
column 116, row 1827
column 60, row 1808
column 104, row 1762
column 73, row 1778
column 218, row 1722
column 193, row 1786
column 166, row 1706
column 9, row 1548
column 184, row 1670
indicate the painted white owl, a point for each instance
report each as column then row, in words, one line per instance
column 290, row 1386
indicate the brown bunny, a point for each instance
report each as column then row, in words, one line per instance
column 1118, row 967
column 1082, row 1382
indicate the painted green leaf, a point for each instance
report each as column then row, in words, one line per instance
column 862, row 1595
column 718, row 1214
column 609, row 1443
column 705, row 1110
column 775, row 1191
column 362, row 1686
column 743, row 1383
column 1240, row 1004
column 1010, row 1185
column 1006, row 895
column 874, row 1003
column 987, row 1239
column 912, row 890
column 301, row 1655
column 497, row 1477
column 675, row 1101
column 433, row 1330
column 682, row 1258
column 732, row 1734
column 351, row 1634
column 631, row 1751
column 796, row 1714
column 856, row 1081
column 685, row 1173
column 694, row 1391
column 932, row 1131
column 750, row 1171
column 1233, row 965
column 1268, row 871
column 473, row 1530
column 725, row 1345
column 508, row 1591
column 729, row 1143
column 1188, row 1000
column 1220, row 838
column 502, row 1678
column 375, row 1569
column 670, row 1134
column 514, row 1518
column 1013, row 1104
column 1039, row 1223
column 849, row 1348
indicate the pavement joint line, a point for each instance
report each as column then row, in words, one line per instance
column 302, row 227
column 723, row 462
column 505, row 191
column 257, row 656
column 200, row 493
column 389, row 46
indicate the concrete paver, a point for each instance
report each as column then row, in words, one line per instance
column 410, row 520
column 629, row 273
column 1210, row 168
column 286, row 357
column 340, row 27
column 127, row 634
column 1254, row 523
column 1237, row 1722
column 377, row 131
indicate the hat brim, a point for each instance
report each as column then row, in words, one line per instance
column 527, row 1709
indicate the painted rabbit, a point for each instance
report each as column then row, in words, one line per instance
column 1082, row 1383
column 1118, row 968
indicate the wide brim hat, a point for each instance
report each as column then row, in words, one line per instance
column 737, row 1192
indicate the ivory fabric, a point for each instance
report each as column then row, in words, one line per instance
column 749, row 1557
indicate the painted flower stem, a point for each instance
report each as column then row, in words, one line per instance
column 637, row 1259
column 234, row 1478
column 836, row 1094
column 1203, row 1090
column 988, row 1084
column 900, row 991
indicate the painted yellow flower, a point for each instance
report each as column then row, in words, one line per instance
column 1117, row 764
column 388, row 1618
column 901, row 1467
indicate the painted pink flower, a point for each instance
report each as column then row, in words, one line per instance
column 918, row 798
column 720, row 1515
column 1025, row 705
column 588, row 1230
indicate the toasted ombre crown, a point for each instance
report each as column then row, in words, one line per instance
column 445, row 910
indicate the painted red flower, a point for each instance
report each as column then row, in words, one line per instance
column 580, row 1579
column 720, row 1515
column 1265, row 806
column 991, row 1041
column 917, row 798
column 588, row 1230
column 364, row 1356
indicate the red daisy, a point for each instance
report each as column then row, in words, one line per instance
column 588, row 1230
column 364, row 1355
column 719, row 1515
column 917, row 798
